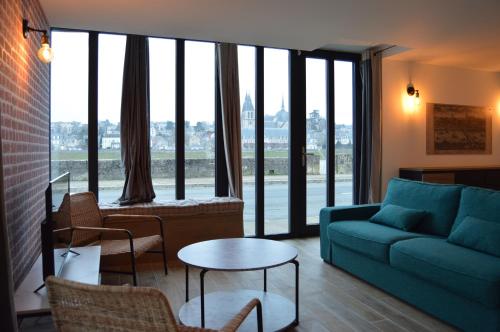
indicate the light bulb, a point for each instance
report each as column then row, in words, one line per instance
column 417, row 98
column 45, row 53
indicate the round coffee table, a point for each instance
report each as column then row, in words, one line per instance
column 238, row 254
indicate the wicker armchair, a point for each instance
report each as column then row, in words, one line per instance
column 80, row 307
column 88, row 226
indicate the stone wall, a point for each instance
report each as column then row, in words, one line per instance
column 195, row 168
column 24, row 126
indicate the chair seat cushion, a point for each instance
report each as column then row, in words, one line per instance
column 367, row 238
column 463, row 271
column 141, row 245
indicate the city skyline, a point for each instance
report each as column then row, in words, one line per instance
column 70, row 68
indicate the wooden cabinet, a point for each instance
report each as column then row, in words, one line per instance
column 486, row 177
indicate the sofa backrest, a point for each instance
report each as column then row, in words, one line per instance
column 440, row 201
column 479, row 203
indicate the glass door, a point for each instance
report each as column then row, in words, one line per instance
column 327, row 144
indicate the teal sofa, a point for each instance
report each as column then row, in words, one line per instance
column 455, row 283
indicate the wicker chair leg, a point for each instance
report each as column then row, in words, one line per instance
column 164, row 253
column 260, row 327
column 134, row 272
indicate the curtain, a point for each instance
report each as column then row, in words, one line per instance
column 134, row 123
column 7, row 311
column 369, row 146
column 227, row 63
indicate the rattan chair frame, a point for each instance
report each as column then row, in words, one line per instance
column 128, row 233
column 79, row 307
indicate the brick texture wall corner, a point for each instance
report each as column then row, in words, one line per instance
column 24, row 126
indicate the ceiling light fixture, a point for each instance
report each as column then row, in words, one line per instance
column 45, row 53
column 410, row 89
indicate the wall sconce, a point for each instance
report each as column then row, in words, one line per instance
column 410, row 89
column 45, row 53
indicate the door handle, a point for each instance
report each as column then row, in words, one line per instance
column 304, row 156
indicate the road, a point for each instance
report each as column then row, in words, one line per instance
column 275, row 202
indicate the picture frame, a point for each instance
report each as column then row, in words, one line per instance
column 458, row 129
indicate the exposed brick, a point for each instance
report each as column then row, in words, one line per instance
column 24, row 128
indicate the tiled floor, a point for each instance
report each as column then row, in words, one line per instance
column 331, row 300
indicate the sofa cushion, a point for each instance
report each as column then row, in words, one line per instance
column 465, row 272
column 479, row 203
column 440, row 201
column 477, row 234
column 398, row 217
column 367, row 238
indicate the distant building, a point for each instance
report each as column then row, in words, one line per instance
column 248, row 113
column 110, row 141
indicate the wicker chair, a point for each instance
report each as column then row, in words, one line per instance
column 79, row 307
column 88, row 226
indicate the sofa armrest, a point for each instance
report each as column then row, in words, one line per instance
column 328, row 215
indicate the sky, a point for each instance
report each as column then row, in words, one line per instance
column 70, row 69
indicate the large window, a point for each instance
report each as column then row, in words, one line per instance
column 246, row 66
column 162, row 116
column 69, row 107
column 316, row 122
column 199, row 120
column 276, row 132
column 343, row 86
column 110, row 77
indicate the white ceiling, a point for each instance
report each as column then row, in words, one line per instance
column 460, row 33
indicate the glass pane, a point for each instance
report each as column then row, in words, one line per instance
column 343, row 132
column 162, row 119
column 110, row 75
column 315, row 138
column 69, row 107
column 246, row 67
column 199, row 117
column 276, row 132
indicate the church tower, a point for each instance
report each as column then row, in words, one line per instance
column 248, row 113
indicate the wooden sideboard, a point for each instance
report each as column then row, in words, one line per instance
column 486, row 177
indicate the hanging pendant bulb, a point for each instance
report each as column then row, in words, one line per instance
column 45, row 53
column 417, row 98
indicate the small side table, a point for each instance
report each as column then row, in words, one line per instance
column 215, row 309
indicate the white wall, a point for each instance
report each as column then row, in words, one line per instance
column 404, row 132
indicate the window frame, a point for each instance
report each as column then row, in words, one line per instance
column 297, row 104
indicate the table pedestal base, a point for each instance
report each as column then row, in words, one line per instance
column 220, row 307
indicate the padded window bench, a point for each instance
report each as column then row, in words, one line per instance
column 185, row 222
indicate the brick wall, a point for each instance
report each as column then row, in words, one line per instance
column 24, row 126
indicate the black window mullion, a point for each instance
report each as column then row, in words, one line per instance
column 93, row 144
column 297, row 142
column 179, row 119
column 221, row 177
column 330, row 133
column 259, row 141
column 357, row 129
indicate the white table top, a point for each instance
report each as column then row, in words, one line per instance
column 237, row 254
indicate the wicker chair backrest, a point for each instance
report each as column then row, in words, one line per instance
column 79, row 307
column 84, row 211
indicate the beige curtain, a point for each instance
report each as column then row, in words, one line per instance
column 227, row 63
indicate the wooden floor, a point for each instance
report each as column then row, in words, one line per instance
column 330, row 299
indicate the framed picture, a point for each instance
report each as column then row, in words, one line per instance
column 458, row 129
